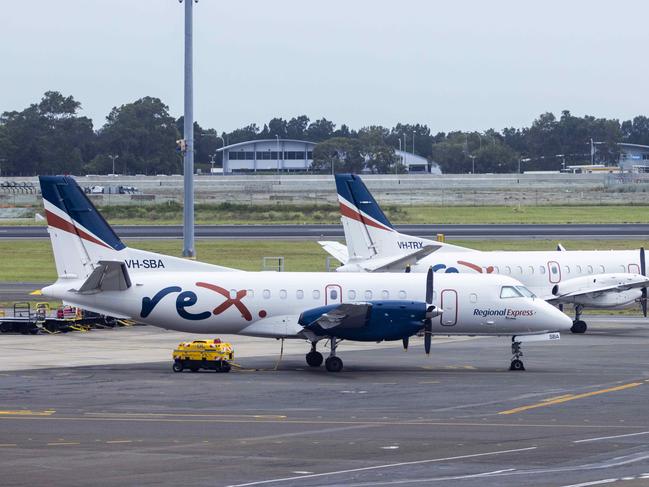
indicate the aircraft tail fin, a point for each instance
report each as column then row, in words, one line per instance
column 368, row 232
column 79, row 234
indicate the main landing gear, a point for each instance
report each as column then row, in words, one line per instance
column 517, row 352
column 314, row 358
column 578, row 325
column 332, row 364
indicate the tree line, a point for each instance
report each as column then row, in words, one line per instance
column 51, row 137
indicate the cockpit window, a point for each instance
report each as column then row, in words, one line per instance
column 526, row 292
column 509, row 292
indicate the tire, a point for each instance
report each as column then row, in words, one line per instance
column 225, row 367
column 517, row 365
column 314, row 359
column 334, row 364
column 579, row 327
column 178, row 367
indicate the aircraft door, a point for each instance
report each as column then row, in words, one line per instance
column 554, row 272
column 333, row 294
column 448, row 303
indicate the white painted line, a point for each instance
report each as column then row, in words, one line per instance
column 596, row 482
column 390, row 465
column 611, row 437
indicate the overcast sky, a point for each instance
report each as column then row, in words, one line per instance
column 450, row 64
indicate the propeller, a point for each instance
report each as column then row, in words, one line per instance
column 405, row 340
column 643, row 271
column 430, row 309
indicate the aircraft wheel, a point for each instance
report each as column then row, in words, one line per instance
column 178, row 367
column 314, row 359
column 517, row 365
column 334, row 364
column 579, row 326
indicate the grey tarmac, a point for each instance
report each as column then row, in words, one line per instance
column 577, row 416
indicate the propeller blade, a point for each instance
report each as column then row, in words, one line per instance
column 643, row 271
column 643, row 266
column 408, row 269
column 405, row 343
column 428, row 328
column 429, row 286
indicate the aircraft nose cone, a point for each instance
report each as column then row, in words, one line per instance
column 562, row 322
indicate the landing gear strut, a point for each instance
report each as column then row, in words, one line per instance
column 333, row 363
column 314, row 358
column 517, row 352
column 578, row 326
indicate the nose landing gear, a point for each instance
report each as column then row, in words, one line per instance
column 517, row 352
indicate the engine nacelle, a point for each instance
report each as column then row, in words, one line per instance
column 381, row 320
column 592, row 292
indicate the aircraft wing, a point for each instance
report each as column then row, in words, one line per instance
column 337, row 250
column 108, row 276
column 346, row 315
column 397, row 262
column 602, row 289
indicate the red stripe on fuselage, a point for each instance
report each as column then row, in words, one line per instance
column 58, row 222
column 354, row 215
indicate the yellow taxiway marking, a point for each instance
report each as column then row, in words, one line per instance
column 570, row 397
column 62, row 443
column 26, row 412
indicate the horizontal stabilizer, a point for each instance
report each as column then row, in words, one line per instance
column 337, row 250
column 397, row 262
column 108, row 276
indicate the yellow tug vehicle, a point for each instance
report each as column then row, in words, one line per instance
column 203, row 354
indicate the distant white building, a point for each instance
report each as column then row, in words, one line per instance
column 294, row 155
column 634, row 157
column 268, row 155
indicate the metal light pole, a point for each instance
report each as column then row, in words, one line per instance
column 472, row 164
column 400, row 155
column 188, row 209
column 112, row 158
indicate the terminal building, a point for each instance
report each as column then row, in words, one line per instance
column 288, row 155
column 634, row 157
column 268, row 155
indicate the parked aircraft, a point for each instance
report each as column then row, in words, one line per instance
column 96, row 271
column 594, row 279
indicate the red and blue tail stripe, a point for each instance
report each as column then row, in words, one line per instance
column 357, row 203
column 67, row 208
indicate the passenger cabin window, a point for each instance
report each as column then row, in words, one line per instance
column 497, row 269
column 542, row 269
column 333, row 294
column 590, row 269
column 566, row 269
column 282, row 294
column 316, row 294
column 351, row 294
column 519, row 269
column 473, row 298
column 508, row 270
column 578, row 269
column 299, row 294
column 402, row 295
column 531, row 270
column 602, row 269
column 368, row 294
column 507, row 292
column 385, row 294
column 266, row 294
column 622, row 268
column 250, row 293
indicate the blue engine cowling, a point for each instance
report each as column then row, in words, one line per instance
column 381, row 320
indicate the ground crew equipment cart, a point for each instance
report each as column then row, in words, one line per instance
column 203, row 354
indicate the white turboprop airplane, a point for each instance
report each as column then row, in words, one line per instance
column 596, row 279
column 97, row 272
